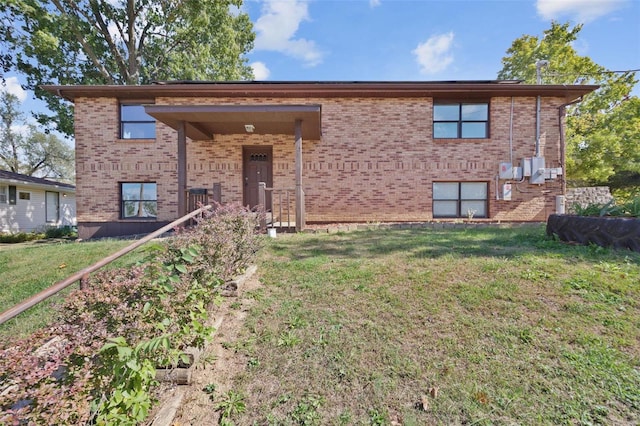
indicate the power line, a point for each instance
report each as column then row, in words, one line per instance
column 557, row 74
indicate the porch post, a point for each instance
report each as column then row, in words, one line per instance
column 182, row 169
column 300, row 221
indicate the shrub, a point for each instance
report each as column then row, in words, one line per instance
column 60, row 231
column 227, row 237
column 630, row 208
column 127, row 321
column 20, row 237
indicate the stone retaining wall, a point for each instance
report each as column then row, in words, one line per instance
column 586, row 196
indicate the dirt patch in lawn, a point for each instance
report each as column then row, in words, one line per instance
column 219, row 363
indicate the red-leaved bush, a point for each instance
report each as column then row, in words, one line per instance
column 94, row 366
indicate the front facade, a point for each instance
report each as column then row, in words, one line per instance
column 29, row 203
column 346, row 152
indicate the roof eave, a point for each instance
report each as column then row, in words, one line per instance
column 322, row 89
column 21, row 183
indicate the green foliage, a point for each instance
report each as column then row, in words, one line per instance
column 630, row 208
column 20, row 237
column 34, row 152
column 232, row 403
column 60, row 231
column 45, row 232
column 120, row 327
column 126, row 400
column 210, row 389
column 105, row 42
column 603, row 129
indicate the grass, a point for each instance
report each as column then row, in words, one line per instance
column 26, row 269
column 456, row 326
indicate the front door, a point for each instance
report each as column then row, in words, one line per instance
column 257, row 167
column 52, row 207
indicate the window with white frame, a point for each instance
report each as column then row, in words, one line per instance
column 461, row 120
column 139, row 200
column 4, row 194
column 135, row 123
column 460, row 199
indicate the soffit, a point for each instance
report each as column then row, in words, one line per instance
column 204, row 121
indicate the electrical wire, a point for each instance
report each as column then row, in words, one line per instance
column 588, row 75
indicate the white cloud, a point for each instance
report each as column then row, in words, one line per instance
column 579, row 10
column 277, row 26
column 260, row 71
column 434, row 55
column 374, row 3
column 12, row 86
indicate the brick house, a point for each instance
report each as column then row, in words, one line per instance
column 335, row 151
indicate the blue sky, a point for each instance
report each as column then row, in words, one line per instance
column 389, row 40
column 419, row 40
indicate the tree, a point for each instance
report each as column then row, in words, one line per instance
column 603, row 130
column 123, row 42
column 31, row 153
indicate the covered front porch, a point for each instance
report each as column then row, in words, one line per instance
column 205, row 122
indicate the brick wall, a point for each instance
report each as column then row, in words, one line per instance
column 376, row 161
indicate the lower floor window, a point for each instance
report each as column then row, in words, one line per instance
column 139, row 200
column 460, row 199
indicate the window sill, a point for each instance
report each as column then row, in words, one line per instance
column 458, row 140
column 119, row 140
column 141, row 219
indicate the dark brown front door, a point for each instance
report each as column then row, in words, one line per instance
column 257, row 167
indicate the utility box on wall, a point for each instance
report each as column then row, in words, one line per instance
column 537, row 170
column 526, row 166
column 506, row 170
column 506, row 192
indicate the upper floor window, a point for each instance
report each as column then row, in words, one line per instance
column 139, row 200
column 461, row 120
column 135, row 123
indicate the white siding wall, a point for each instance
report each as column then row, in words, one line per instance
column 67, row 210
column 29, row 215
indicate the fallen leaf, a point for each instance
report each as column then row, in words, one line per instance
column 434, row 392
column 425, row 402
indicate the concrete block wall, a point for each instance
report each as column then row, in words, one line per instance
column 376, row 160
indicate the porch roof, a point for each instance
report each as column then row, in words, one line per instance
column 204, row 121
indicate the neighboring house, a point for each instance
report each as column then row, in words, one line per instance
column 29, row 203
column 349, row 151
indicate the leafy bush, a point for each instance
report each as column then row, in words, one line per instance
column 60, row 231
column 39, row 234
column 20, row 237
column 630, row 208
column 126, row 322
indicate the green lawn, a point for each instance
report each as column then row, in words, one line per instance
column 26, row 269
column 484, row 326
